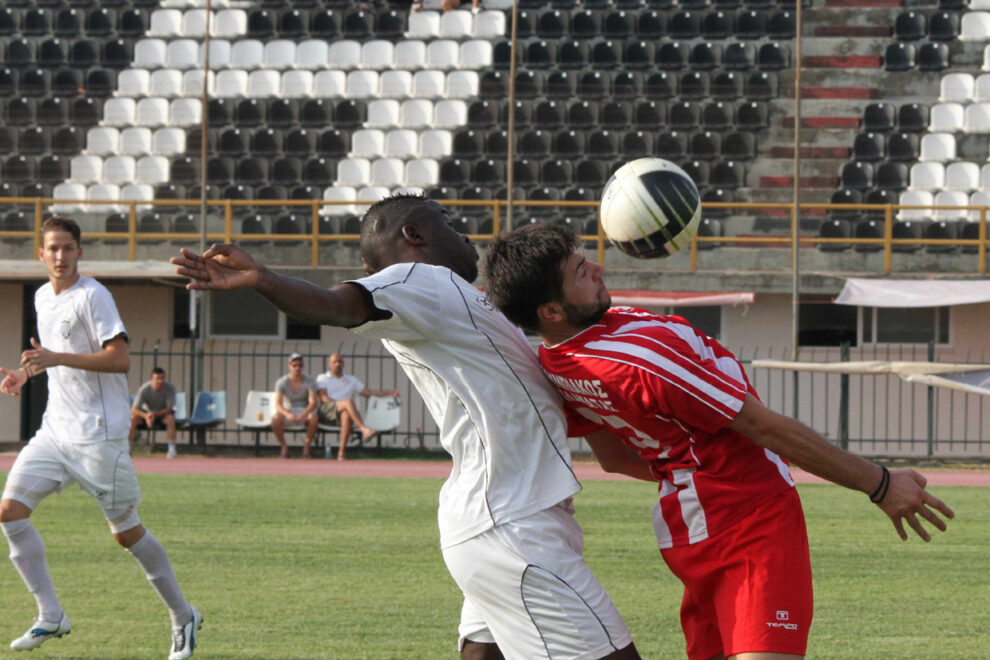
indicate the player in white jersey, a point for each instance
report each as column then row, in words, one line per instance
column 82, row 345
column 507, row 532
column 662, row 402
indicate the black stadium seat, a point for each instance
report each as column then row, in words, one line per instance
column 738, row 56
column 912, row 117
column 869, row 147
column 857, row 176
column 898, row 57
column 717, row 25
column 660, row 85
column 573, row 55
column 717, row 116
column 627, row 85
column 910, row 26
column 933, row 57
column 943, row 26
column 903, row 147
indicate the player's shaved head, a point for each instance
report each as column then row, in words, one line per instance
column 524, row 270
column 381, row 228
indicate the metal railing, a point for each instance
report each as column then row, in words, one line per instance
column 876, row 415
column 887, row 243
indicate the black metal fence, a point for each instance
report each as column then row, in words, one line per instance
column 874, row 415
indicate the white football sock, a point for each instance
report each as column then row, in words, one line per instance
column 27, row 552
column 152, row 557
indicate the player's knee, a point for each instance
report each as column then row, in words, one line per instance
column 12, row 510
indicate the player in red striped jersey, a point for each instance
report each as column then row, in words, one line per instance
column 728, row 521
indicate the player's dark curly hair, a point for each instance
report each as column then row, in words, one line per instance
column 382, row 224
column 523, row 270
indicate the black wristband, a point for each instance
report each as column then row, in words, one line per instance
column 881, row 490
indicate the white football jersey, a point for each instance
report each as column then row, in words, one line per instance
column 83, row 406
column 499, row 417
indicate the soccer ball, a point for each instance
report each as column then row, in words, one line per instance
column 650, row 208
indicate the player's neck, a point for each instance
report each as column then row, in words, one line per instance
column 60, row 284
column 558, row 333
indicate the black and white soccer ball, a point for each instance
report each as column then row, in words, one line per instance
column 650, row 208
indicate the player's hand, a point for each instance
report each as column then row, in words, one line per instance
column 13, row 381
column 39, row 358
column 907, row 499
column 223, row 267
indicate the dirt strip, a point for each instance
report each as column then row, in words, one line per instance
column 423, row 469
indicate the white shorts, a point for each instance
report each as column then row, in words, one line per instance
column 528, row 589
column 102, row 469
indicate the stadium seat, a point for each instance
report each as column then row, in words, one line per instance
column 83, row 54
column 718, row 25
column 772, row 57
column 951, row 198
column 891, row 176
column 938, row 147
column 957, row 88
column 933, row 57
column 844, row 196
column 868, row 147
column 660, row 85
column 903, row 147
column 684, row 116
column 947, row 118
column 52, row 112
column 899, row 57
column 717, row 116
column 761, row 86
column 928, row 176
column 32, row 141
column 962, row 176
column 693, row 86
column 977, row 118
column 568, row 144
column 704, row 56
column 910, row 26
column 586, row 24
column 704, row 145
column 751, row 25
column 943, row 26
column 672, row 145
column 922, row 198
column 739, row 146
column 857, row 176
column 726, row 86
column 672, row 56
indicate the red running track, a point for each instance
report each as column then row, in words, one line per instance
column 421, row 469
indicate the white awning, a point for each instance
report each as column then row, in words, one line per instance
column 24, row 269
column 913, row 293
column 973, row 378
column 680, row 298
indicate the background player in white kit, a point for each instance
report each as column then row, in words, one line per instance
column 507, row 531
column 83, row 438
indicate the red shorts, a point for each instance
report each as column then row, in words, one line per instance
column 748, row 589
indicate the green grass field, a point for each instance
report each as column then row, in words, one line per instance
column 300, row 567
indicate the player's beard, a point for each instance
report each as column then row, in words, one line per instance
column 583, row 316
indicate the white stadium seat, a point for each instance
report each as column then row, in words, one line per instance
column 435, row 143
column 133, row 82
column 297, row 84
column 152, row 170
column 442, row 54
column 312, row 54
column 986, row 59
column 450, row 113
column 152, row 112
column 329, row 84
column 401, row 143
column 388, row 172
column 956, row 87
column 247, row 54
column 974, row 26
column 409, row 190
column 978, row 5
column 353, row 171
column 915, row 198
column 141, row 192
column 395, row 84
column 339, row 194
column 423, row 25
column 220, row 50
column 979, row 198
column 165, row 23
column 168, row 141
column 962, row 175
column 367, row 143
column 951, row 198
column 230, row 23
column 410, row 55
column 192, row 83
column 232, row 83
column 149, row 54
column 985, row 177
column 118, row 169
column 981, row 90
column 194, row 23
column 119, row 112
column 489, row 24
column 977, row 118
column 165, row 83
column 475, row 54
column 135, row 141
column 361, row 84
column 102, row 141
column 946, row 117
column 422, row 172
column 456, row 24
column 182, row 54
column 462, row 84
column 416, row 113
column 345, row 54
column 927, row 176
column 185, row 112
column 383, row 113
column 938, row 147
column 264, row 83
column 429, row 84
column 279, row 54
column 377, row 55
column 103, row 191
column 371, row 194
column 69, row 192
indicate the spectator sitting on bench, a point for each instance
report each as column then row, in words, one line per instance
column 295, row 405
column 154, row 407
column 337, row 391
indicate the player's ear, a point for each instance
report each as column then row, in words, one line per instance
column 550, row 312
column 413, row 234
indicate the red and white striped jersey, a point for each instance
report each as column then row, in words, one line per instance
column 669, row 391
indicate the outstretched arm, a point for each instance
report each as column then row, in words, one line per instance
column 905, row 499
column 114, row 358
column 227, row 267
